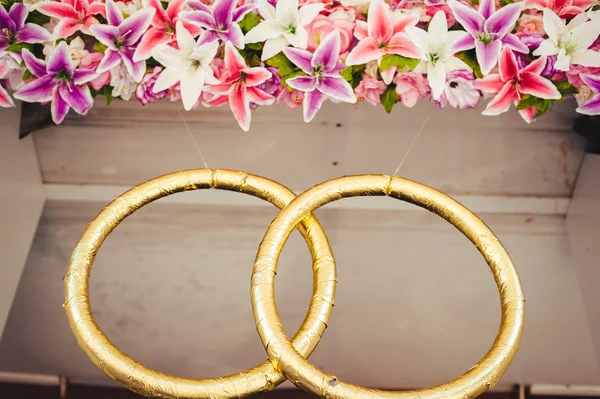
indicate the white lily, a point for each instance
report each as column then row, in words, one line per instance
column 438, row 57
column 189, row 65
column 570, row 42
column 122, row 82
column 282, row 26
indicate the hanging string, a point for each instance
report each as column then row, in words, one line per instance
column 193, row 140
column 412, row 144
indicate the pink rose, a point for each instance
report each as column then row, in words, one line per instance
column 531, row 24
column 292, row 99
column 431, row 10
column 145, row 93
column 411, row 87
column 573, row 74
column 91, row 61
column 322, row 25
column 370, row 90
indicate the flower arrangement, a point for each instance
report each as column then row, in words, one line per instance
column 248, row 53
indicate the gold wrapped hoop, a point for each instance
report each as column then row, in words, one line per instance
column 304, row 374
column 149, row 382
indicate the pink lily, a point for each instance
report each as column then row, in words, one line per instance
column 72, row 15
column 563, row 8
column 592, row 106
column 220, row 21
column 511, row 84
column 162, row 29
column 489, row 30
column 13, row 28
column 121, row 37
column 5, row 100
column 385, row 35
column 239, row 87
column 59, row 82
column 323, row 70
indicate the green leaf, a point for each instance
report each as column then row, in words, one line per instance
column 38, row 18
column 255, row 46
column 346, row 74
column 389, row 98
column 540, row 105
column 282, row 63
column 18, row 47
column 469, row 58
column 506, row 2
column 28, row 75
column 249, row 21
column 391, row 60
column 565, row 88
column 107, row 91
column 527, row 101
column 99, row 47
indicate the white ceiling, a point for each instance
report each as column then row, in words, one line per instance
column 416, row 304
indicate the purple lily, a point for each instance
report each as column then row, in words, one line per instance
column 59, row 82
column 488, row 30
column 13, row 28
column 592, row 106
column 323, row 70
column 121, row 37
column 220, row 21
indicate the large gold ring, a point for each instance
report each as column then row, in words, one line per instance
column 304, row 374
column 149, row 382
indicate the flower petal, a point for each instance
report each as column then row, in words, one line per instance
column 303, row 83
column 265, row 9
column 185, row 41
column 5, row 100
column 536, row 66
column 591, row 107
column 586, row 34
column 56, row 10
column 200, row 18
column 401, row 44
column 467, row 42
column 420, row 38
column 591, row 81
column 538, row 86
column 234, row 35
column 547, row 47
column 487, row 8
column 388, row 75
column 553, row 25
column 77, row 97
column 154, row 37
column 240, row 106
column 255, row 76
column 37, row 91
column 136, row 25
column 111, row 59
column 301, row 58
column 160, row 18
column 167, row 78
column 18, row 13
column 468, row 17
column 379, row 22
column 437, row 81
column 32, row 33
column 366, row 50
column 240, row 12
column 286, row 12
column 312, row 103
column 36, row 66
column 223, row 12
column 528, row 114
column 106, row 34
column 487, row 54
column 174, row 8
column 135, row 68
column 308, row 12
column 234, row 62
column 298, row 39
column 337, row 88
column 67, row 27
column 327, row 53
column 60, row 60
column 59, row 108
column 509, row 69
column 113, row 14
column 438, row 27
column 6, row 21
column 259, row 97
column 501, row 103
column 504, row 20
column 273, row 47
column 83, row 76
column 490, row 84
column 515, row 43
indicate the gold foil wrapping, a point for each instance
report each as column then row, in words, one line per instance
column 304, row 374
column 148, row 382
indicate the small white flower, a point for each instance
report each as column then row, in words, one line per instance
column 11, row 70
column 76, row 48
column 438, row 57
column 189, row 65
column 282, row 26
column 570, row 42
column 130, row 8
column 584, row 94
column 122, row 82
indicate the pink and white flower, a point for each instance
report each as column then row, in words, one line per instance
column 411, row 87
column 460, row 91
column 592, row 106
column 145, row 92
column 342, row 21
column 58, row 82
column 92, row 61
column 72, row 15
column 323, row 70
column 239, row 87
column 370, row 90
column 14, row 29
column 512, row 83
column 563, row 8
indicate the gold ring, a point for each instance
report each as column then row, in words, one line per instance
column 304, row 374
column 149, row 382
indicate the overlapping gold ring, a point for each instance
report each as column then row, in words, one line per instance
column 288, row 358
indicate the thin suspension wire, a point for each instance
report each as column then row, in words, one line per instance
column 193, row 140
column 412, row 144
